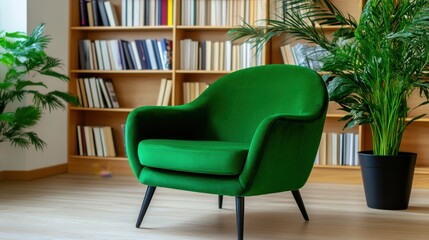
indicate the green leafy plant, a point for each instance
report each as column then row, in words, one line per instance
column 23, row 57
column 375, row 63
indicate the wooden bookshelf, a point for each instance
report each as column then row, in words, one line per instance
column 134, row 87
column 140, row 87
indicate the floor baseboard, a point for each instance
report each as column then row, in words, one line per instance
column 34, row 174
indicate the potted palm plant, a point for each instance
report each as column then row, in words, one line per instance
column 22, row 58
column 375, row 64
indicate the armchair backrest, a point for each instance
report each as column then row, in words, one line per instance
column 236, row 103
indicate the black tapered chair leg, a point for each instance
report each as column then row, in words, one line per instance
column 220, row 201
column 145, row 204
column 298, row 200
column 239, row 209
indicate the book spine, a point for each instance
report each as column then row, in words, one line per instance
column 105, row 93
column 96, row 13
column 141, row 55
column 170, row 12
column 83, row 10
column 146, row 54
column 124, row 12
column 147, row 11
column 127, row 55
column 164, row 12
column 136, row 55
column 103, row 13
column 111, row 13
column 112, row 93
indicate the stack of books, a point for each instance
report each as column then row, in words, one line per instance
column 97, row 13
column 164, row 94
column 95, row 141
column 133, row 13
column 95, row 92
column 191, row 90
column 147, row 13
column 338, row 149
column 122, row 55
column 217, row 56
column 221, row 12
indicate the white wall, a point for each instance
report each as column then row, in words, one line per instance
column 53, row 126
column 13, row 17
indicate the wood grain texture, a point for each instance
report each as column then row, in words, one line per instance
column 87, row 207
column 34, row 174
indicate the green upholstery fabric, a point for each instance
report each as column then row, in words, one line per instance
column 206, row 157
column 276, row 111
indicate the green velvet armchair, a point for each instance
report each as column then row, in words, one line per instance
column 254, row 131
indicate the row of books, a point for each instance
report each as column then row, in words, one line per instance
column 303, row 55
column 95, row 92
column 95, row 141
column 338, row 149
column 191, row 90
column 97, row 13
column 221, row 12
column 147, row 12
column 120, row 54
column 164, row 94
column 217, row 56
column 133, row 13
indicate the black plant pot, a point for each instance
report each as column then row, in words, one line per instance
column 387, row 180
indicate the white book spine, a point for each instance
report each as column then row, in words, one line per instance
column 94, row 92
column 117, row 63
column 105, row 55
column 167, row 95
column 111, row 14
column 129, row 13
column 161, row 92
column 151, row 52
column 98, row 51
column 89, row 140
column 161, row 54
column 88, row 92
column 99, row 151
column 136, row 12
column 136, row 55
column 124, row 12
column 228, row 55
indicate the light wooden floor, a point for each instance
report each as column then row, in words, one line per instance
column 86, row 207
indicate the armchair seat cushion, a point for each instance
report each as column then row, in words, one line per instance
column 203, row 157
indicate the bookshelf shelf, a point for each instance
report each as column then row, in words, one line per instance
column 333, row 115
column 122, row 71
column 99, row 158
column 205, row 28
column 123, row 29
column 336, row 167
column 201, row 72
column 124, row 110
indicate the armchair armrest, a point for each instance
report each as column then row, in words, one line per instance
column 161, row 122
column 281, row 154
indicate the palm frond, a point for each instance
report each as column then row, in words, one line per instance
column 27, row 139
column 24, row 57
column 26, row 116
